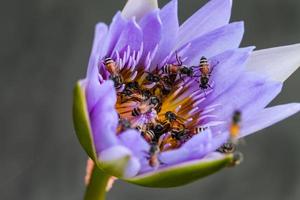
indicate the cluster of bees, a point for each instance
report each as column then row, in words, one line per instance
column 150, row 99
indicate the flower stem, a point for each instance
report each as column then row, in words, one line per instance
column 96, row 189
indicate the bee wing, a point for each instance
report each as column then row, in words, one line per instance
column 213, row 63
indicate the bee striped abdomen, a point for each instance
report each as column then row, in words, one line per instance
column 136, row 112
column 149, row 135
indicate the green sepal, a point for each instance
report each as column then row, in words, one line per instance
column 182, row 174
column 82, row 123
column 115, row 167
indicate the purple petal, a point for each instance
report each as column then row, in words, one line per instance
column 116, row 27
column 268, row 117
column 170, row 27
column 152, row 31
column 213, row 15
column 213, row 43
column 249, row 94
column 195, row 148
column 133, row 140
column 116, row 153
column 231, row 64
column 99, row 38
column 104, row 118
column 93, row 91
column 131, row 36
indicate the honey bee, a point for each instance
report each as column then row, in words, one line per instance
column 154, row 132
column 165, row 85
column 179, row 68
column 152, row 78
column 204, row 67
column 200, row 129
column 148, row 135
column 228, row 147
column 146, row 106
column 169, row 142
column 153, row 155
column 129, row 95
column 113, row 69
column 237, row 159
column 181, row 135
column 124, row 124
column 173, row 119
column 204, row 83
column 235, row 125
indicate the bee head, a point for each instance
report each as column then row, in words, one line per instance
column 170, row 116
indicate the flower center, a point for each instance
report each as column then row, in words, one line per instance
column 162, row 104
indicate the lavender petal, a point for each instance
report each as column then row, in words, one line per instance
column 250, row 94
column 152, row 31
column 99, row 38
column 116, row 27
column 195, row 148
column 133, row 140
column 268, row 117
column 104, row 118
column 231, row 64
column 214, row 14
column 170, row 27
column 131, row 35
column 215, row 42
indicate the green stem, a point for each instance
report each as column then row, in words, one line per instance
column 96, row 190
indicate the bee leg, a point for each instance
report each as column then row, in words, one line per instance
column 209, row 86
column 178, row 58
column 161, row 162
column 204, row 92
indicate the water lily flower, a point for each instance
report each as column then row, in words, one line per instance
column 158, row 98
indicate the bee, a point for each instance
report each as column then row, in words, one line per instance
column 235, row 124
column 204, row 83
column 227, row 147
column 154, row 132
column 179, row 68
column 153, row 155
column 113, row 69
column 181, row 135
column 237, row 159
column 175, row 121
column 204, row 67
column 146, row 106
column 148, row 135
column 124, row 124
column 169, row 142
column 165, row 85
column 128, row 95
column 200, row 129
column 152, row 78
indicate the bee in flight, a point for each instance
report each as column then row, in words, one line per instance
column 113, row 69
column 234, row 128
column 146, row 106
column 179, row 68
column 227, row 147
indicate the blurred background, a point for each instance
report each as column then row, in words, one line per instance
column 45, row 46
